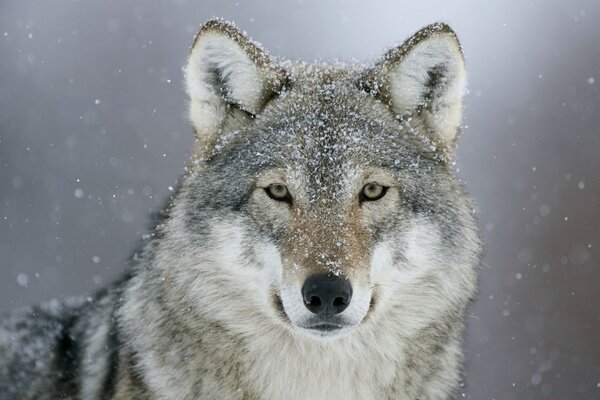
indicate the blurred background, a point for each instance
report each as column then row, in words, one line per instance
column 93, row 136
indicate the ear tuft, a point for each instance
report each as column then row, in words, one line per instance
column 423, row 79
column 229, row 79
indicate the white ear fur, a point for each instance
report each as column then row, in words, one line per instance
column 425, row 79
column 227, row 73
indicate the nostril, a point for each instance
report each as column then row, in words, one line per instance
column 339, row 301
column 315, row 301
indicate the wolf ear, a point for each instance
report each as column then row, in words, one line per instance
column 229, row 80
column 423, row 79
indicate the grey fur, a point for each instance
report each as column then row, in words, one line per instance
column 190, row 321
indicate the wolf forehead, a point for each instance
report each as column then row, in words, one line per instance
column 323, row 122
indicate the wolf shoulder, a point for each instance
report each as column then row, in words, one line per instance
column 43, row 347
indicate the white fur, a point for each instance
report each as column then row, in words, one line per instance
column 299, row 368
column 412, row 282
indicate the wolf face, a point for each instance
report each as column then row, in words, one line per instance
column 321, row 200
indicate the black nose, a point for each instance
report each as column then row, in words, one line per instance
column 326, row 295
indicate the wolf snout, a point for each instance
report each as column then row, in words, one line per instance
column 326, row 295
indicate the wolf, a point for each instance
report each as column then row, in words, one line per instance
column 319, row 246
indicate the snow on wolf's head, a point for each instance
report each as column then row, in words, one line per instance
column 322, row 199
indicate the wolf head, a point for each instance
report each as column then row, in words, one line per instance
column 322, row 198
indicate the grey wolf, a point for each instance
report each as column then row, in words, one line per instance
column 319, row 247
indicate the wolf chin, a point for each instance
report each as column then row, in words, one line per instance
column 319, row 246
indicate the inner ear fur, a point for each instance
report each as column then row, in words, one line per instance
column 229, row 79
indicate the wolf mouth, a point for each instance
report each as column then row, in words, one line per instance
column 325, row 327
column 326, row 330
column 329, row 326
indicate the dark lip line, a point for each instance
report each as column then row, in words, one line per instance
column 325, row 327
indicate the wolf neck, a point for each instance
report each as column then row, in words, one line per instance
column 367, row 365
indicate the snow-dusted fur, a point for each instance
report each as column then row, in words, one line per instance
column 213, row 306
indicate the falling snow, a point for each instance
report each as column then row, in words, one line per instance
column 91, row 106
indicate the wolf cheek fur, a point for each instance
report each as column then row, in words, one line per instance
column 320, row 246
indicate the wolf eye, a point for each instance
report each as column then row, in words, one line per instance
column 372, row 191
column 279, row 192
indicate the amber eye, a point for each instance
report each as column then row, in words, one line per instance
column 279, row 192
column 372, row 191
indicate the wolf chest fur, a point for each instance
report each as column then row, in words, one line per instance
column 319, row 246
